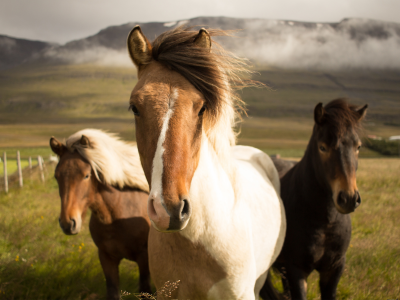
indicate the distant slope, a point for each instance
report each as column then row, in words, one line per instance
column 349, row 44
column 15, row 51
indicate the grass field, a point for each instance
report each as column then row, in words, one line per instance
column 37, row 261
column 12, row 166
column 37, row 102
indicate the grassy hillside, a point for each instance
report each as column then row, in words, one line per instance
column 37, row 261
column 39, row 101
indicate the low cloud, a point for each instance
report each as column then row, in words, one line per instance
column 360, row 44
column 350, row 44
column 97, row 55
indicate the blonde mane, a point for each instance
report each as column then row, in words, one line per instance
column 114, row 162
column 217, row 74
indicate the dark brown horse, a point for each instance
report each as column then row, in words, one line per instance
column 319, row 192
column 100, row 172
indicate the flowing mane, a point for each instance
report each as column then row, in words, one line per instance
column 217, row 74
column 114, row 162
column 341, row 115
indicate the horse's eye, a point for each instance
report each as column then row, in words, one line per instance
column 359, row 147
column 87, row 176
column 322, row 148
column 202, row 110
column 134, row 110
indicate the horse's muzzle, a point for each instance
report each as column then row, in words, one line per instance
column 70, row 227
column 347, row 203
column 171, row 219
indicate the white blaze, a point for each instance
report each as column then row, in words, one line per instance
column 158, row 165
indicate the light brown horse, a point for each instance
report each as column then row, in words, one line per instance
column 217, row 220
column 100, row 172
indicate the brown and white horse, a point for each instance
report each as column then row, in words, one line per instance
column 100, row 172
column 218, row 222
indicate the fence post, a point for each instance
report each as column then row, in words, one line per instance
column 30, row 163
column 39, row 159
column 5, row 172
column 21, row 182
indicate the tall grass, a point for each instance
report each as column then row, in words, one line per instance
column 373, row 258
column 37, row 261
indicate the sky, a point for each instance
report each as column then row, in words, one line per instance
column 61, row 21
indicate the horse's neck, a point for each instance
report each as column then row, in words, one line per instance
column 212, row 193
column 106, row 203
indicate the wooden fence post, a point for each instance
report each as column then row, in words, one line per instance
column 5, row 172
column 30, row 163
column 40, row 164
column 21, row 182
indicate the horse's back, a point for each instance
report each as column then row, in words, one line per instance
column 259, row 181
column 283, row 165
column 259, row 160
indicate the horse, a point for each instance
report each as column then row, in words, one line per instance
column 319, row 193
column 282, row 165
column 218, row 222
column 98, row 171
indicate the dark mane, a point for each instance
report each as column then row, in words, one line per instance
column 216, row 73
column 340, row 116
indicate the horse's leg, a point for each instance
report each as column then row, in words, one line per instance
column 144, row 272
column 110, row 270
column 297, row 280
column 329, row 280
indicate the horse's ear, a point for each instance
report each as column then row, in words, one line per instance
column 362, row 111
column 56, row 146
column 84, row 142
column 203, row 39
column 319, row 112
column 139, row 47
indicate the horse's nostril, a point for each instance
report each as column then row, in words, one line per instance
column 185, row 212
column 73, row 223
column 341, row 199
column 358, row 200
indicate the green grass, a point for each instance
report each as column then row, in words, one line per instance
column 26, row 152
column 40, row 101
column 12, row 166
column 373, row 258
column 37, row 261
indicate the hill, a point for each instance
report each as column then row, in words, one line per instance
column 59, row 89
column 38, row 101
column 349, row 44
column 15, row 51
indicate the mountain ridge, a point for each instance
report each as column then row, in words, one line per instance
column 350, row 43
